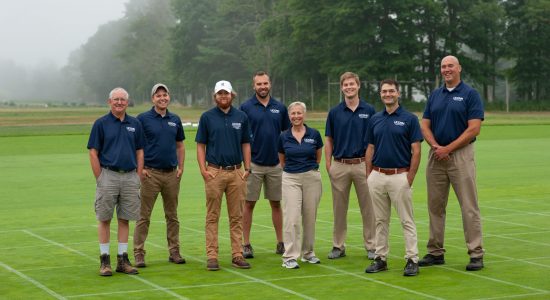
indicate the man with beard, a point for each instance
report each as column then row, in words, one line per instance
column 268, row 118
column 223, row 145
column 345, row 135
column 164, row 156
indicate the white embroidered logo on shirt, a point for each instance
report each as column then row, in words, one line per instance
column 399, row 123
column 172, row 124
column 130, row 129
column 363, row 116
column 274, row 111
column 236, row 125
column 456, row 98
column 309, row 141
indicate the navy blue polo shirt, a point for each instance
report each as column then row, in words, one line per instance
column 223, row 134
column 300, row 157
column 347, row 129
column 266, row 123
column 449, row 112
column 392, row 136
column 161, row 134
column 117, row 141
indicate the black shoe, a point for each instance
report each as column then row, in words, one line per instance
column 377, row 265
column 248, row 252
column 411, row 268
column 476, row 264
column 430, row 260
column 280, row 248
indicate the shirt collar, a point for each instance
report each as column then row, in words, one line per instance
column 397, row 112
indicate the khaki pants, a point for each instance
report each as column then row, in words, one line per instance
column 168, row 185
column 460, row 172
column 341, row 178
column 234, row 187
column 386, row 190
column 301, row 197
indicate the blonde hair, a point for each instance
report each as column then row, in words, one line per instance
column 297, row 103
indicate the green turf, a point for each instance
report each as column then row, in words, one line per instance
column 48, row 239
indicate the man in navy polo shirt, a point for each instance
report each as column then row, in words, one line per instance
column 452, row 120
column 116, row 155
column 164, row 157
column 393, row 156
column 345, row 135
column 268, row 118
column 223, row 145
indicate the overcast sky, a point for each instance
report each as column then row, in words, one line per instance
column 34, row 32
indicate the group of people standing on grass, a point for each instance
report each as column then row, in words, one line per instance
column 264, row 143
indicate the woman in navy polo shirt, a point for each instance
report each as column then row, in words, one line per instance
column 300, row 153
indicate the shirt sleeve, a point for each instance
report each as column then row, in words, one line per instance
column 280, row 147
column 95, row 140
column 415, row 134
column 475, row 106
column 202, row 131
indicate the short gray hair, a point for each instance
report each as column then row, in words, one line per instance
column 297, row 103
column 118, row 89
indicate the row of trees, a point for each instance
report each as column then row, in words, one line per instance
column 307, row 44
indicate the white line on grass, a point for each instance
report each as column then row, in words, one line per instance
column 516, row 239
column 516, row 211
column 34, row 282
column 94, row 259
column 512, row 296
column 494, row 279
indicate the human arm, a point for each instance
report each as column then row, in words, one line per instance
column 368, row 158
column 140, row 161
column 201, row 159
column 282, row 159
column 94, row 161
column 473, row 129
column 180, row 153
column 415, row 162
column 246, row 159
column 426, row 128
column 328, row 152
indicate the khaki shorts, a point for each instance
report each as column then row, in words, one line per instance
column 120, row 190
column 271, row 178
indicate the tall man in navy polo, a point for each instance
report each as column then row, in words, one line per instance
column 164, row 157
column 223, row 145
column 345, row 140
column 268, row 118
column 452, row 120
column 393, row 156
column 116, row 156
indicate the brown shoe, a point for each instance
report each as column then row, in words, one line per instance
column 124, row 266
column 139, row 260
column 240, row 262
column 175, row 257
column 105, row 267
column 212, row 264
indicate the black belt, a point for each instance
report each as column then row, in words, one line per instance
column 167, row 170
column 350, row 161
column 226, row 168
column 117, row 170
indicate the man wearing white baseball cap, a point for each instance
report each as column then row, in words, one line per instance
column 223, row 146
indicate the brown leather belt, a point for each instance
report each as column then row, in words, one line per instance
column 350, row 161
column 226, row 168
column 391, row 171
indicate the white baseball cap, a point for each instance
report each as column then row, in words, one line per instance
column 223, row 85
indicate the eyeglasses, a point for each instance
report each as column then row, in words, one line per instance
column 119, row 100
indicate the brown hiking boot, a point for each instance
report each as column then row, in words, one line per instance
column 240, row 262
column 175, row 257
column 105, row 267
column 139, row 260
column 212, row 264
column 124, row 266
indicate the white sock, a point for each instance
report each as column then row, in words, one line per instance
column 122, row 247
column 104, row 248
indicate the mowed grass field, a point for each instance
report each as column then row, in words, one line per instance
column 48, row 237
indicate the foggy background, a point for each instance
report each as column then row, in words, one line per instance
column 37, row 37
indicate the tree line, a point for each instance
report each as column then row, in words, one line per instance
column 306, row 44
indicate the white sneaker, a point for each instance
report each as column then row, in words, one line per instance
column 311, row 260
column 291, row 264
